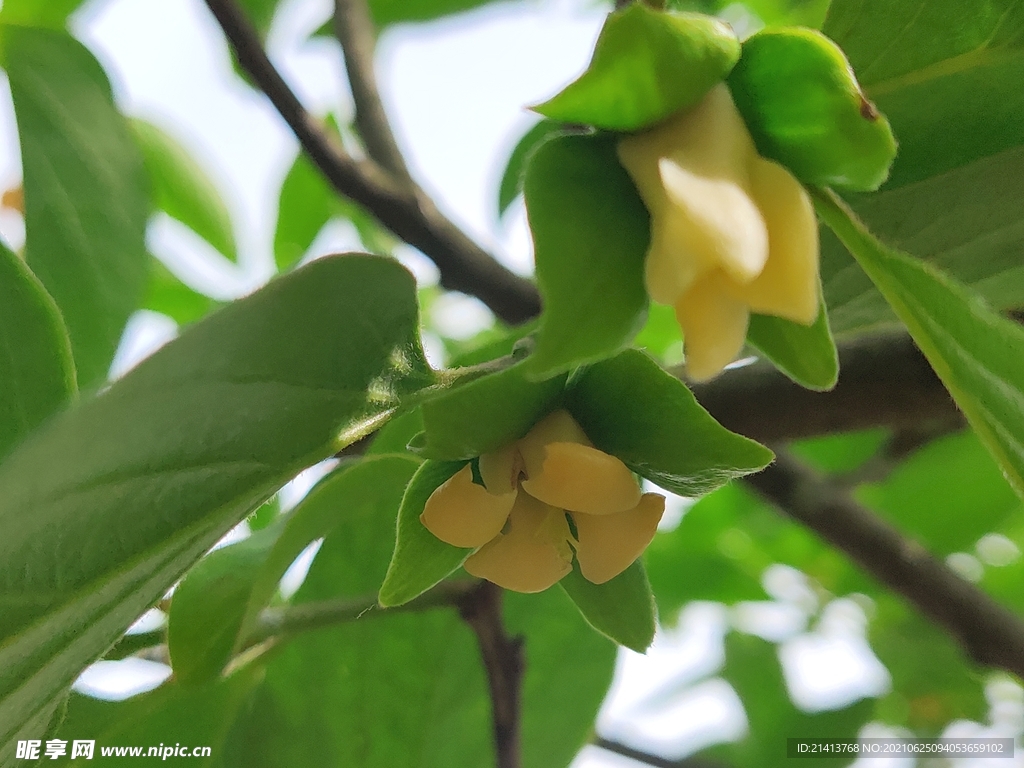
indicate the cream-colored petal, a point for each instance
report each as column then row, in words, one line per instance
column 532, row 555
column 463, row 514
column 579, row 478
column 714, row 326
column 716, row 221
column 500, row 469
column 788, row 285
column 669, row 269
column 608, row 544
column 557, row 427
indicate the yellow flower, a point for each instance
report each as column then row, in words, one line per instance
column 520, row 520
column 731, row 232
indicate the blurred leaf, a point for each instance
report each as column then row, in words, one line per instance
column 170, row 296
column 805, row 354
column 512, row 179
column 837, row 454
column 486, row 413
column 409, row 689
column 947, row 495
column 804, row 107
column 38, row 13
column 37, row 374
column 947, row 75
column 978, row 354
column 420, row 559
column 631, row 408
column 170, row 715
column 660, row 333
column 752, row 667
column 218, row 603
column 182, row 190
column 933, row 683
column 129, row 489
column 260, row 13
column 647, row 65
column 590, row 232
column 621, row 609
column 86, row 201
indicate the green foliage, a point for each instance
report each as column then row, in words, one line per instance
column 38, row 13
column 805, row 109
column 806, row 354
column 622, row 609
column 86, row 199
column 167, row 294
column 647, row 65
column 511, row 185
column 37, row 374
column 631, row 408
column 171, row 457
column 590, row 232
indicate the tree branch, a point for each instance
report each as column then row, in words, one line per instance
column 408, row 212
column 503, row 659
column 657, row 761
column 353, row 27
column 989, row 633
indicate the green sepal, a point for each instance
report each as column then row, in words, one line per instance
column 805, row 109
column 621, row 609
column 420, row 559
column 805, row 353
column 631, row 408
column 511, row 185
column 647, row 65
column 485, row 414
column 590, row 232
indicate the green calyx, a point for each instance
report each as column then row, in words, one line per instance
column 805, row 109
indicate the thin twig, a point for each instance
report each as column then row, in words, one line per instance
column 408, row 213
column 989, row 633
column 647, row 758
column 353, row 26
column 503, row 659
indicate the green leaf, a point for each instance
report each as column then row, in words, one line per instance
column 182, row 190
column 170, row 296
column 647, row 65
column 86, row 201
column 621, row 609
column 37, row 374
column 512, row 179
column 804, row 107
column 218, row 603
column 408, row 688
column 420, row 559
column 129, row 489
column 486, row 413
column 590, row 232
column 806, row 354
column 978, row 354
column 38, row 13
column 631, row 408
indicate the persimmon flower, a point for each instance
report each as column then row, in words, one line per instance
column 520, row 517
column 731, row 232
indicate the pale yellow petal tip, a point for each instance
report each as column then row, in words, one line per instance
column 578, row 478
column 609, row 544
column 461, row 513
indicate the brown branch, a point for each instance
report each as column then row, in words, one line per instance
column 647, row 758
column 883, row 381
column 989, row 633
column 503, row 659
column 353, row 27
column 409, row 213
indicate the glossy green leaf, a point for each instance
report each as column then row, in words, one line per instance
column 631, row 408
column 804, row 108
column 590, row 232
column 511, row 185
column 622, row 609
column 647, row 64
column 409, row 688
column 807, row 354
column 86, row 201
column 752, row 667
column 218, row 603
column 978, row 354
column 37, row 374
column 182, row 190
column 420, row 559
column 130, row 488
column 167, row 294
column 486, row 413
